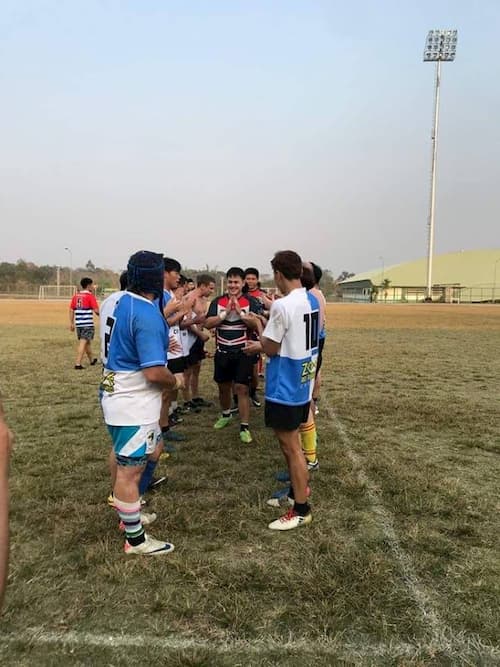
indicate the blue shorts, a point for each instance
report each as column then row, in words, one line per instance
column 133, row 444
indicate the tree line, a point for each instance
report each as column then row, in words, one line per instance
column 22, row 276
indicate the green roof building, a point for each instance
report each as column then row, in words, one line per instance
column 469, row 276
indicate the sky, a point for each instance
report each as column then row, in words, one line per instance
column 219, row 132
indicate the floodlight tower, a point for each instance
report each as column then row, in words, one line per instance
column 441, row 46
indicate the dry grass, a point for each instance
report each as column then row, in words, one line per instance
column 414, row 434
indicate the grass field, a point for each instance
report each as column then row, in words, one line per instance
column 401, row 565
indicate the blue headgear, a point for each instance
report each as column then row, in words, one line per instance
column 145, row 272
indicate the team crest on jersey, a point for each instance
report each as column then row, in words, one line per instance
column 108, row 382
column 308, row 371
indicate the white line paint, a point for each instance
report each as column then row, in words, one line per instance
column 441, row 639
column 462, row 648
column 386, row 522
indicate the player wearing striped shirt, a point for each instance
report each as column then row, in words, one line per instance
column 81, row 317
column 230, row 315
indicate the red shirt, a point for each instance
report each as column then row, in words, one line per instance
column 84, row 303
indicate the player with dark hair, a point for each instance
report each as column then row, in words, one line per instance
column 316, row 290
column 253, row 289
column 81, row 309
column 308, row 433
column 205, row 285
column 229, row 314
column 133, row 379
column 307, row 430
column 173, row 310
column 290, row 340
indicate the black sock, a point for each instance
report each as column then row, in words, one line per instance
column 235, row 399
column 243, row 427
column 226, row 413
column 301, row 508
column 165, row 429
column 253, row 391
column 135, row 541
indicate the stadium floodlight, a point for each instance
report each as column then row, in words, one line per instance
column 440, row 46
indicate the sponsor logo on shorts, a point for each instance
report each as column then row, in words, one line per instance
column 108, row 382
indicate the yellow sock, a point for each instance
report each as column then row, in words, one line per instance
column 309, row 440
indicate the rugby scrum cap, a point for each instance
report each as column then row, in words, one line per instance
column 145, row 272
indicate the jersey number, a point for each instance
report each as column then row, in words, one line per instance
column 312, row 332
column 110, row 323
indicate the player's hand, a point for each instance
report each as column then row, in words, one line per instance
column 190, row 298
column 71, row 327
column 199, row 319
column 236, row 306
column 250, row 319
column 172, row 306
column 174, row 347
column 252, row 347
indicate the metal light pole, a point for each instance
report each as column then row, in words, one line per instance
column 441, row 46
column 70, row 266
column 493, row 291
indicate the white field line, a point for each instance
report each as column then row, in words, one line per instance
column 441, row 637
column 461, row 648
column 386, row 522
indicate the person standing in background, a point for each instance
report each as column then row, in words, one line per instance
column 81, row 317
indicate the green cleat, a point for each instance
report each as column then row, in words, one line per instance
column 222, row 421
column 246, row 437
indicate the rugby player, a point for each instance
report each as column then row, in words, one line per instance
column 290, row 340
column 131, row 389
column 229, row 315
column 81, row 309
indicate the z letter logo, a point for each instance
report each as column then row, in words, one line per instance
column 308, row 371
column 108, row 383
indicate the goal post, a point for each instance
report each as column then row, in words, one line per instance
column 55, row 292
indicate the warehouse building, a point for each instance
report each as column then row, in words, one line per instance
column 468, row 276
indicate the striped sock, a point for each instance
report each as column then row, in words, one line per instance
column 309, row 440
column 147, row 476
column 130, row 514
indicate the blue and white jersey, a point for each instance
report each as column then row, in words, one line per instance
column 137, row 339
column 322, row 311
column 175, row 330
column 106, row 311
column 293, row 322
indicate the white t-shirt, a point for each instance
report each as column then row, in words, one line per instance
column 188, row 337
